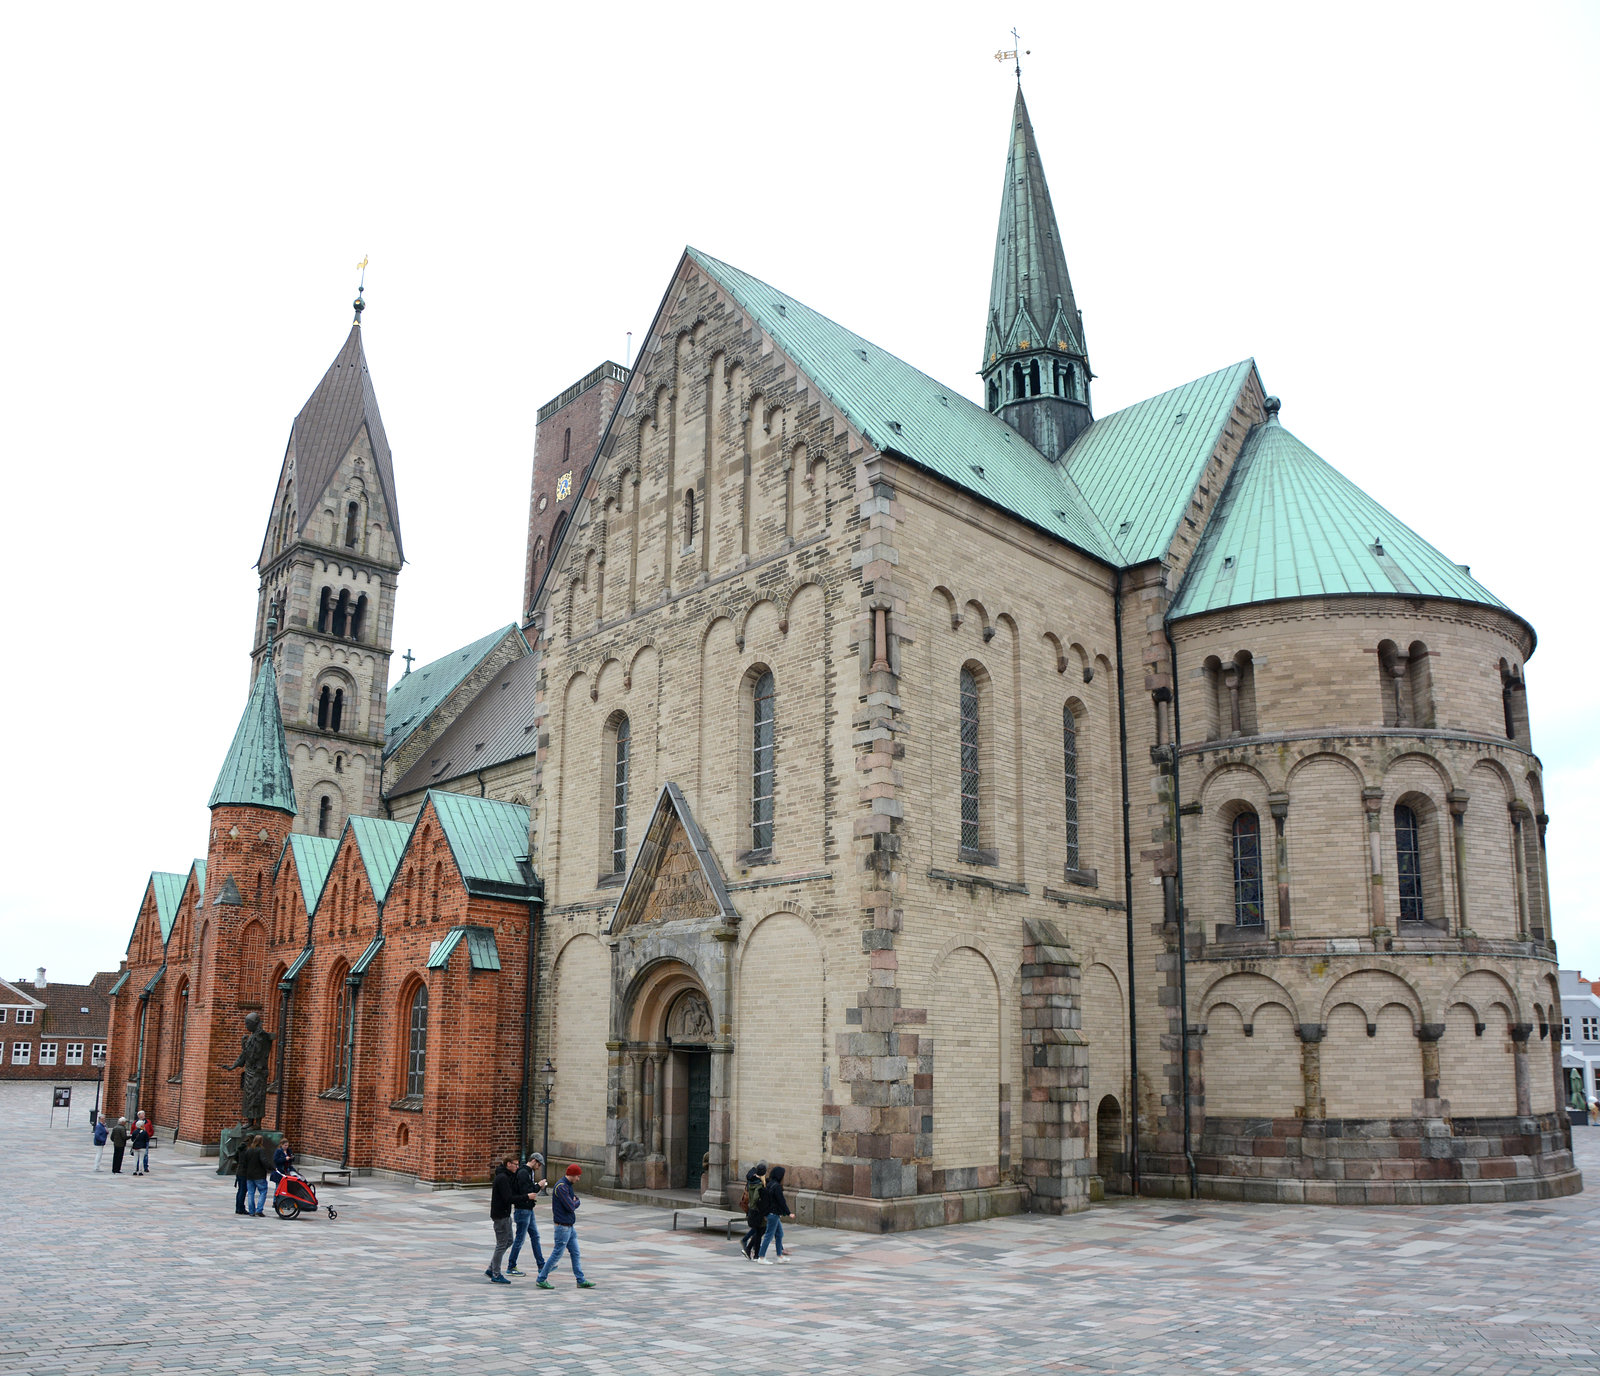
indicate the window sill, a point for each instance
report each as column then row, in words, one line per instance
column 1088, row 879
column 171, row 1079
column 968, row 856
column 1231, row 932
column 412, row 1103
column 749, row 859
column 610, row 881
column 339, row 1093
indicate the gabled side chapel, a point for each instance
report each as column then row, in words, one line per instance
column 972, row 807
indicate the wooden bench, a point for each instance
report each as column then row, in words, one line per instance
column 709, row 1219
column 336, row 1175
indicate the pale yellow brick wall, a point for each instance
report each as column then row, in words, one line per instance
column 1371, row 1077
column 964, row 1017
column 782, row 1047
column 581, row 984
column 1476, row 1073
column 1258, row 1075
column 1491, row 870
column 1326, row 832
column 1106, row 1024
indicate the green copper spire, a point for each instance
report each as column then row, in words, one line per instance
column 1035, row 362
column 256, row 772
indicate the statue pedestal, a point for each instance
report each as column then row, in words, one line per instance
column 234, row 1138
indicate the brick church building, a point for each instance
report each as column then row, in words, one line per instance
column 975, row 807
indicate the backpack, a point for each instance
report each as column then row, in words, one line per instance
column 101, row 1132
column 744, row 1200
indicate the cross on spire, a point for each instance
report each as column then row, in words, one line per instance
column 1014, row 54
column 407, row 656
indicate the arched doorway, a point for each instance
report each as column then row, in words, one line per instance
column 1109, row 1158
column 666, row 1092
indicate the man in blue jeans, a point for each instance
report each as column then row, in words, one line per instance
column 564, row 1213
column 530, row 1180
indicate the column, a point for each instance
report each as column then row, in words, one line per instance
column 1458, row 829
column 1230, row 679
column 1311, row 1035
column 658, row 1085
column 1428, row 1034
column 1519, row 811
column 1279, row 804
column 1519, row 1061
column 1543, row 820
column 635, row 1096
column 1402, row 708
column 1372, row 801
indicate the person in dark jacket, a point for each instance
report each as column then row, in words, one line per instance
column 564, row 1205
column 257, row 1166
column 777, row 1209
column 119, row 1144
column 139, row 1139
column 282, row 1162
column 530, row 1181
column 502, row 1199
column 755, row 1180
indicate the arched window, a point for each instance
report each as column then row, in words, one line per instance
column 352, row 515
column 333, row 1074
column 324, row 810
column 417, row 1043
column 994, row 394
column 336, row 712
column 619, row 796
column 1033, row 378
column 1408, row 860
column 1247, row 895
column 1018, row 388
column 566, row 447
column 324, row 708
column 324, row 609
column 1069, row 755
column 252, row 963
column 341, row 614
column 688, row 518
column 762, row 760
column 971, row 831
column 358, row 617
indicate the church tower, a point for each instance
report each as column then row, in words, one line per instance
column 329, row 564
column 1035, row 361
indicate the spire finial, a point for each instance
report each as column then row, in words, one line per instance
column 361, row 288
column 1014, row 54
column 272, row 625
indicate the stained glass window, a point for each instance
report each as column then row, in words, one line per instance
column 971, row 833
column 1247, row 894
column 761, row 765
column 1408, row 852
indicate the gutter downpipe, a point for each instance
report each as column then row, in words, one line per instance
column 144, row 1013
column 353, row 983
column 1181, row 916
column 530, row 1007
column 1127, row 897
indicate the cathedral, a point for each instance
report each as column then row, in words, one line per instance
column 976, row 808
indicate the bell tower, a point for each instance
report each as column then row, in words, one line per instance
column 1035, row 361
column 329, row 564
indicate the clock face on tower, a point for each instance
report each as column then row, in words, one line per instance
column 564, row 486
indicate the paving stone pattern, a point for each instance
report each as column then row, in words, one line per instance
column 119, row 1274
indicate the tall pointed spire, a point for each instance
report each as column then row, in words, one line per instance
column 1035, row 361
column 256, row 772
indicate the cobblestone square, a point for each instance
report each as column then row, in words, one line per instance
column 113, row 1274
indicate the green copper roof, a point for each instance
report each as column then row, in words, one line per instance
column 1137, row 468
column 1288, row 524
column 489, row 841
column 381, row 843
column 482, row 951
column 297, row 964
column 256, row 772
column 365, row 959
column 903, row 411
column 168, row 889
column 313, row 858
column 416, row 694
column 116, row 988
column 1030, row 281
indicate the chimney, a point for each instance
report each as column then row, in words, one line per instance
column 39, row 982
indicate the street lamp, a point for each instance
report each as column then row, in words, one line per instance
column 547, row 1073
column 99, row 1058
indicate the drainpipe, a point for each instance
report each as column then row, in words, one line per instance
column 183, row 1060
column 353, row 984
column 1127, row 893
column 530, row 1007
column 285, row 990
column 1182, row 917
column 144, row 1013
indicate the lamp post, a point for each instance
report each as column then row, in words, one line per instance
column 547, row 1073
column 99, row 1058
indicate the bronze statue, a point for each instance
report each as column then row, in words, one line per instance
column 255, row 1056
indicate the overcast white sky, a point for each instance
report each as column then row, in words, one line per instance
column 1390, row 207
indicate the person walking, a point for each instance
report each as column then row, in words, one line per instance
column 564, row 1204
column 257, row 1166
column 777, row 1208
column 140, row 1137
column 502, row 1199
column 241, row 1186
column 119, row 1144
column 102, row 1135
column 530, row 1181
column 755, row 1180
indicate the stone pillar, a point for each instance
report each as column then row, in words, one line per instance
column 1230, row 678
column 1279, row 804
column 1458, row 830
column 1519, row 813
column 658, row 1116
column 1372, row 801
column 1543, row 820
column 1428, row 1034
column 720, row 1147
column 614, row 1095
column 1311, row 1035
column 1055, row 1074
column 1520, row 1032
column 635, row 1096
column 1402, row 708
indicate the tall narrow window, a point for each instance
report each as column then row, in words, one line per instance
column 1247, row 898
column 352, row 514
column 358, row 617
column 417, row 1047
column 1018, row 388
column 1033, row 378
column 341, row 614
column 1069, row 755
column 971, row 833
column 338, row 1029
column 688, row 519
column 324, row 609
column 324, row 810
column 994, row 395
column 1408, row 857
column 324, row 707
column 566, row 447
column 619, row 798
column 336, row 712
column 761, row 764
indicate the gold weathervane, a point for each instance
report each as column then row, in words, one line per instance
column 1014, row 54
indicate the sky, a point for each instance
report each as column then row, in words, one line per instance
column 1390, row 207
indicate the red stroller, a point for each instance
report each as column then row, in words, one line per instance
column 294, row 1193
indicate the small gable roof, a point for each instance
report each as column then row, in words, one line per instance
column 483, row 953
column 496, row 726
column 381, row 843
column 1288, row 524
column 198, row 870
column 256, row 770
column 489, row 842
column 168, row 891
column 417, row 693
column 900, row 410
column 14, row 994
column 669, row 820
column 313, row 858
column 1138, row 467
